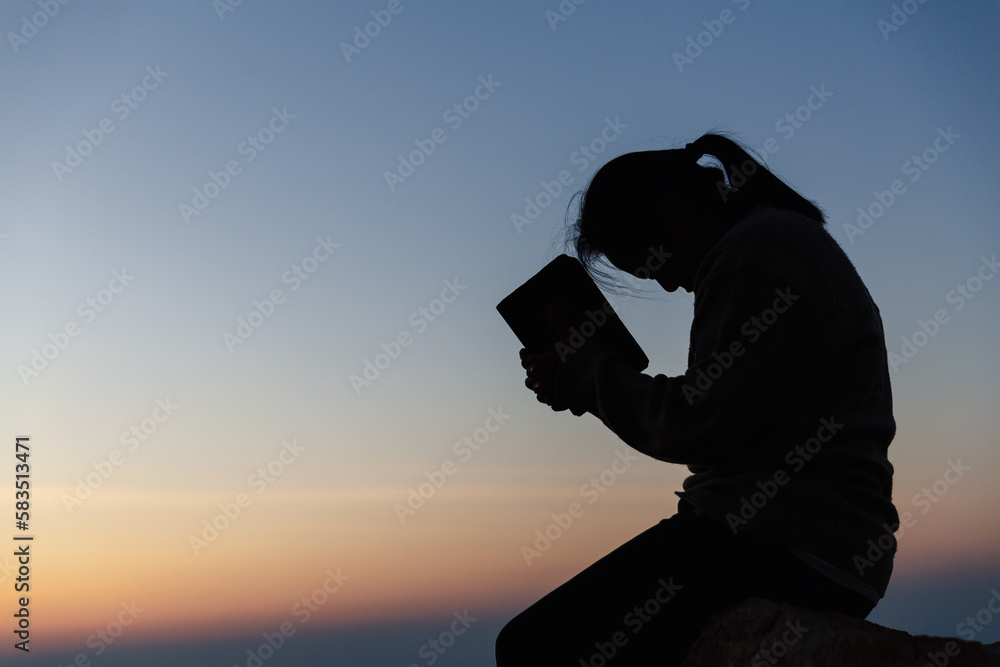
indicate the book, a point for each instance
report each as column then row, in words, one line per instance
column 565, row 285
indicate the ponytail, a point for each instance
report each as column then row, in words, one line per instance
column 750, row 184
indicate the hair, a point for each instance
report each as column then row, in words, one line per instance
column 625, row 193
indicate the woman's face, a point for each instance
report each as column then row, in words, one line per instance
column 668, row 248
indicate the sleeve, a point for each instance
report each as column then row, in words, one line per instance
column 754, row 345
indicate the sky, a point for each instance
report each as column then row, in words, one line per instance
column 252, row 253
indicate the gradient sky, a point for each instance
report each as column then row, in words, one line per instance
column 328, row 508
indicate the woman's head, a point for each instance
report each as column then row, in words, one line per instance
column 644, row 206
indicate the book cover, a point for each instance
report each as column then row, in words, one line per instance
column 565, row 284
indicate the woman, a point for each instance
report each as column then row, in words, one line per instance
column 783, row 416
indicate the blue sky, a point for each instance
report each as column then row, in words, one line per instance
column 329, row 129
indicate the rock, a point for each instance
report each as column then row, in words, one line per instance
column 761, row 633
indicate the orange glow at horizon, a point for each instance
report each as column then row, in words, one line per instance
column 441, row 560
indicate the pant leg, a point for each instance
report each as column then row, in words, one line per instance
column 647, row 601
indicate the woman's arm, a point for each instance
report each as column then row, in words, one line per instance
column 755, row 350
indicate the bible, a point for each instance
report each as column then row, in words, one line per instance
column 565, row 285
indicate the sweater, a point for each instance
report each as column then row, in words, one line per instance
column 784, row 414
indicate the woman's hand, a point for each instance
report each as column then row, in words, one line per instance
column 543, row 367
column 541, row 370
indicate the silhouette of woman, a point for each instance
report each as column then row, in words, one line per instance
column 783, row 416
